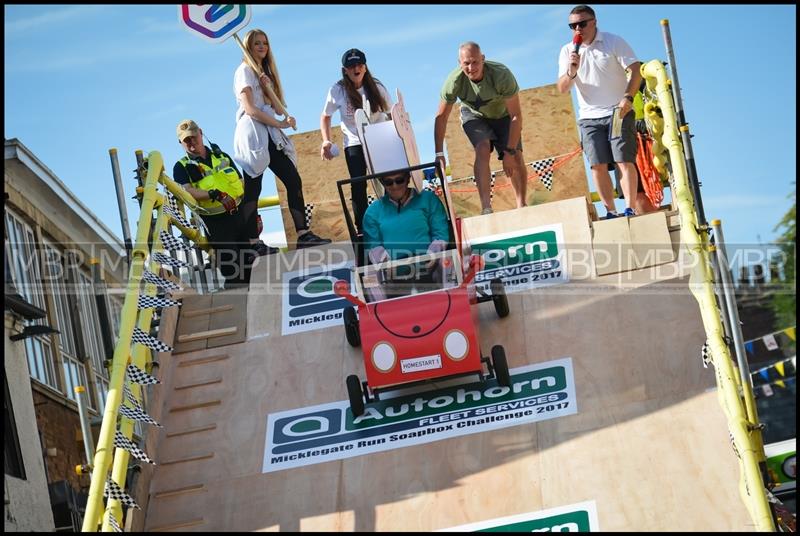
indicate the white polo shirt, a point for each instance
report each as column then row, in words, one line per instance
column 337, row 100
column 601, row 80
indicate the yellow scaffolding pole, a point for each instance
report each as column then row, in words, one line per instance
column 746, row 434
column 103, row 454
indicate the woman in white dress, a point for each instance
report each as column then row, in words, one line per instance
column 259, row 140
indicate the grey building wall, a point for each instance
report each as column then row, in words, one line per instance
column 27, row 505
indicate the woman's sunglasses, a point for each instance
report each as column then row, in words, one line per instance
column 580, row 24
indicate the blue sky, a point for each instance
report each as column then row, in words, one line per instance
column 82, row 79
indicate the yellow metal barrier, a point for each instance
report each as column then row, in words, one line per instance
column 744, row 431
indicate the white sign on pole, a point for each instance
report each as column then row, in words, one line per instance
column 214, row 22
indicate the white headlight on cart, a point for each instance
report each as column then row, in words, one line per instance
column 456, row 345
column 383, row 356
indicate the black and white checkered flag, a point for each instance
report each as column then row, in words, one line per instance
column 491, row 186
column 151, row 342
column 166, row 259
column 544, row 168
column 150, row 277
column 175, row 215
column 371, row 199
column 114, row 523
column 705, row 354
column 130, row 398
column 170, row 242
column 173, row 203
column 122, row 442
column 137, row 375
column 146, row 302
column 136, row 415
column 114, row 492
column 309, row 211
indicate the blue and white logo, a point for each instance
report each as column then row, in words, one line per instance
column 309, row 301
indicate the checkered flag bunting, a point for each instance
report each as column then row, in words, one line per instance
column 544, row 168
column 170, row 242
column 115, row 493
column 175, row 215
column 309, row 211
column 705, row 354
column 151, row 342
column 173, row 203
column 137, row 375
column 371, row 199
column 150, row 277
column 166, row 259
column 122, row 442
column 130, row 398
column 136, row 415
column 114, row 523
column 146, row 302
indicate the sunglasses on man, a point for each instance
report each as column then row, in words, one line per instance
column 398, row 182
column 580, row 24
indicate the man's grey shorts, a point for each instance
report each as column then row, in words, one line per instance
column 599, row 149
column 479, row 129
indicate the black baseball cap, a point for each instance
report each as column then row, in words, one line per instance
column 353, row 57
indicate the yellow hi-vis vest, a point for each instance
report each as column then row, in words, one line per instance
column 220, row 176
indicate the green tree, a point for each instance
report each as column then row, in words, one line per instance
column 784, row 301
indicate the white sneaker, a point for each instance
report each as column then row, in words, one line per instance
column 487, row 211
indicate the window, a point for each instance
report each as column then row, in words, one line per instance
column 26, row 274
column 12, row 459
column 74, row 371
column 93, row 339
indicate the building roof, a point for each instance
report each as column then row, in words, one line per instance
column 16, row 149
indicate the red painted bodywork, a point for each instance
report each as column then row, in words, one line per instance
column 434, row 314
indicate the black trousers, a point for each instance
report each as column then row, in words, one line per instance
column 282, row 166
column 357, row 167
column 230, row 240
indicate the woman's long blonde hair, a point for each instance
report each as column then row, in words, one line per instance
column 268, row 65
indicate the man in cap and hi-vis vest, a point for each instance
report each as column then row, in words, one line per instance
column 211, row 177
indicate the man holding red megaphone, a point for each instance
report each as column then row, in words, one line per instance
column 595, row 63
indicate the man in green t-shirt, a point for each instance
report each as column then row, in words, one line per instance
column 491, row 117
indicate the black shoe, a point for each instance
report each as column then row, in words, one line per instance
column 262, row 249
column 309, row 239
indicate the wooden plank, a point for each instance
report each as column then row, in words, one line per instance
column 180, row 491
column 210, row 310
column 178, row 525
column 650, row 240
column 190, row 407
column 202, row 360
column 236, row 316
column 196, row 430
column 208, row 334
column 612, row 246
column 189, row 459
column 188, row 325
column 198, row 384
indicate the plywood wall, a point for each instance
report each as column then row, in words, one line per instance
column 548, row 129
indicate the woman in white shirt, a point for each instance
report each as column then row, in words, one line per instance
column 259, row 141
column 346, row 97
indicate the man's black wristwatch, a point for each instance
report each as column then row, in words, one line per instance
column 510, row 151
column 630, row 99
column 213, row 194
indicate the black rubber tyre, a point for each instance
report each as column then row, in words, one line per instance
column 351, row 326
column 500, row 364
column 499, row 297
column 356, row 395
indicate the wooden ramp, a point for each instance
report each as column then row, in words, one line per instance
column 645, row 444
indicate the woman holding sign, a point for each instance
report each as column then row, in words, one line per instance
column 259, row 140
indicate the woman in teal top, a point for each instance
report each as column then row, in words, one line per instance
column 404, row 223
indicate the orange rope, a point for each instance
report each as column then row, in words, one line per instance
column 651, row 180
column 557, row 163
